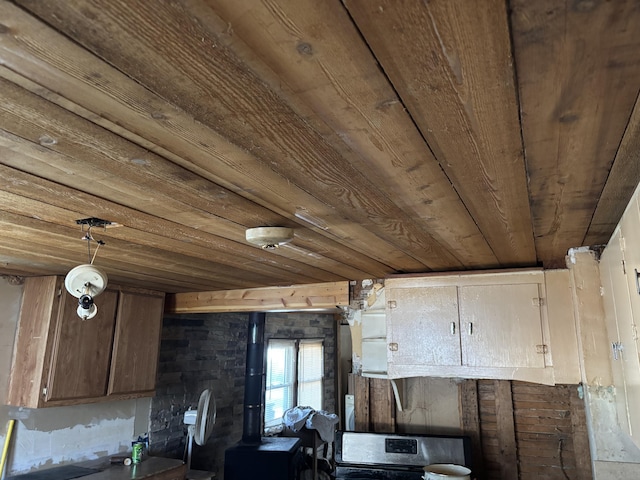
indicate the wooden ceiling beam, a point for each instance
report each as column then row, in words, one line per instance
column 317, row 297
column 450, row 62
column 214, row 86
column 25, row 259
column 312, row 52
column 42, row 55
column 111, row 167
column 116, row 254
column 24, row 194
column 622, row 181
column 578, row 65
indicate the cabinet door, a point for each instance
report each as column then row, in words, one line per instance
column 79, row 366
column 422, row 326
column 617, row 309
column 136, row 343
column 628, row 326
column 501, row 326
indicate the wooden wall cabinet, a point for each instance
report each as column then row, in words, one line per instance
column 491, row 325
column 59, row 359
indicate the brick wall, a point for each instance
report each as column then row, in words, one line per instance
column 208, row 351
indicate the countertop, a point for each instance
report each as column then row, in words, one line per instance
column 149, row 467
column 101, row 469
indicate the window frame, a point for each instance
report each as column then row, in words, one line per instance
column 295, row 343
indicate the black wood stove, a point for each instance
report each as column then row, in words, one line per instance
column 266, row 458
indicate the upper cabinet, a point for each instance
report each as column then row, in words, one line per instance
column 60, row 359
column 480, row 325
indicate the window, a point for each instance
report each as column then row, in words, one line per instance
column 295, row 370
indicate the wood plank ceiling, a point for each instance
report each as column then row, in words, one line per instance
column 392, row 136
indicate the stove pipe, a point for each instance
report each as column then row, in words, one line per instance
column 252, row 422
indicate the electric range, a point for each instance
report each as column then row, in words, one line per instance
column 393, row 456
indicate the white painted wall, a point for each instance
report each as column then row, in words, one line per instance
column 44, row 438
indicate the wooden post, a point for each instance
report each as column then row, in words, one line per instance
column 506, row 430
column 361, row 403
column 382, row 405
column 470, row 419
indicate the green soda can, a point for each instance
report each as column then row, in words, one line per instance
column 136, row 452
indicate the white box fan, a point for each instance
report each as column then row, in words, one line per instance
column 200, row 422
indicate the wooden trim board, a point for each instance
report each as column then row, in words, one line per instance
column 313, row 297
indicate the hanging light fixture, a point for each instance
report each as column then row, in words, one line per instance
column 87, row 281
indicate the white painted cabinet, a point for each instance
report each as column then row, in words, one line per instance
column 423, row 326
column 374, row 335
column 619, row 273
column 617, row 308
column 469, row 325
column 502, row 325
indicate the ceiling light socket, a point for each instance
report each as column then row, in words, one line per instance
column 85, row 279
column 269, row 237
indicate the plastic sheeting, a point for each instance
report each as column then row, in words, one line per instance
column 297, row 418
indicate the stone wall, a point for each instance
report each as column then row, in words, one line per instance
column 208, row 351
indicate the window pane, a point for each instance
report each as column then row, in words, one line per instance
column 280, row 363
column 277, row 401
column 311, row 361
column 280, row 380
column 310, row 373
column 310, row 394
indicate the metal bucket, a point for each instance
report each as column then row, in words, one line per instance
column 446, row 471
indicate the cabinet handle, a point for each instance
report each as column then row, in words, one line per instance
column 470, row 328
column 637, row 281
column 453, row 328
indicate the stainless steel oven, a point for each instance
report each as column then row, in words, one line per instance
column 392, row 456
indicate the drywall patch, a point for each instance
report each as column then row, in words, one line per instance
column 60, row 418
column 612, row 445
column 50, row 437
column 36, row 449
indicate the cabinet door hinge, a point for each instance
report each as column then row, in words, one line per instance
column 617, row 348
column 537, row 302
column 392, row 304
column 44, row 391
column 393, row 347
column 542, row 349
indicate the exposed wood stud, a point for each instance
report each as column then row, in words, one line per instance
column 506, row 429
column 362, row 413
column 470, row 418
column 382, row 405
